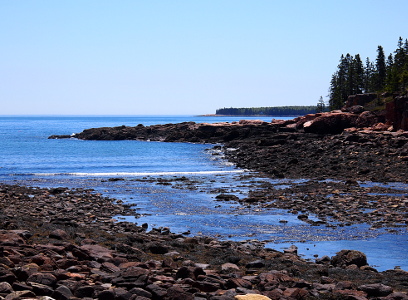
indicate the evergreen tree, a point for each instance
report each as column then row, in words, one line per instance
column 358, row 74
column 381, row 71
column 368, row 76
column 320, row 105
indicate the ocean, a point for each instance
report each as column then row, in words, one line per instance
column 173, row 184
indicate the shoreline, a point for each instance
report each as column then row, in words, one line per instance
column 105, row 257
column 165, row 264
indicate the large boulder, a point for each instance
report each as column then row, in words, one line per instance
column 369, row 118
column 331, row 123
column 397, row 113
column 346, row 258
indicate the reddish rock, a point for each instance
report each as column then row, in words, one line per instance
column 360, row 99
column 59, row 234
column 10, row 238
column 330, row 123
column 397, row 112
column 97, row 252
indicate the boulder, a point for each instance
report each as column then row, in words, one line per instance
column 330, row 123
column 346, row 258
column 376, row 289
column 251, row 297
column 397, row 113
column 97, row 252
column 360, row 99
column 369, row 118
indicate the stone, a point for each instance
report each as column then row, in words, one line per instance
column 255, row 264
column 229, row 267
column 156, row 290
column 376, row 289
column 59, row 234
column 157, row 248
column 62, row 293
column 41, row 289
column 20, row 295
column 106, row 295
column 9, row 238
column 85, row 291
column 97, row 252
column 346, row 258
column 43, row 278
column 5, row 287
column 177, row 293
column 140, row 292
column 330, row 123
column 251, row 297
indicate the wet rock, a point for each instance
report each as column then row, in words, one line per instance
column 226, row 197
column 349, row 257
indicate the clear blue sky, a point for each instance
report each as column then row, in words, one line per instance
column 182, row 57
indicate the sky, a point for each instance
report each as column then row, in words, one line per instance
column 182, row 57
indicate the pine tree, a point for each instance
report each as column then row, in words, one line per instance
column 359, row 74
column 320, row 105
column 380, row 71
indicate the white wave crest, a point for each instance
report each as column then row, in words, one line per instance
column 141, row 173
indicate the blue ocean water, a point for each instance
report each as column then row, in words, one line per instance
column 25, row 149
column 28, row 157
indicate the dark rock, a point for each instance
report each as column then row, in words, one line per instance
column 157, row 248
column 177, row 293
column 255, row 264
column 226, row 197
column 62, row 293
column 106, row 295
column 85, row 291
column 376, row 289
column 157, row 291
column 43, row 278
column 20, row 295
column 5, row 287
column 141, row 292
column 349, row 257
column 41, row 289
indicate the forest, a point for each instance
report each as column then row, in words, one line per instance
column 384, row 74
column 268, row 111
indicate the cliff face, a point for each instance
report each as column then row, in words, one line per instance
column 397, row 112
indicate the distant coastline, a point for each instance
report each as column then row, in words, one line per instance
column 263, row 116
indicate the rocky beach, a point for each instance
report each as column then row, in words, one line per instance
column 63, row 243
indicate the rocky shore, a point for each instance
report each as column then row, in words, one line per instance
column 336, row 145
column 63, row 244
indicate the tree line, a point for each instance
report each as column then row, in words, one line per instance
column 382, row 75
column 268, row 111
